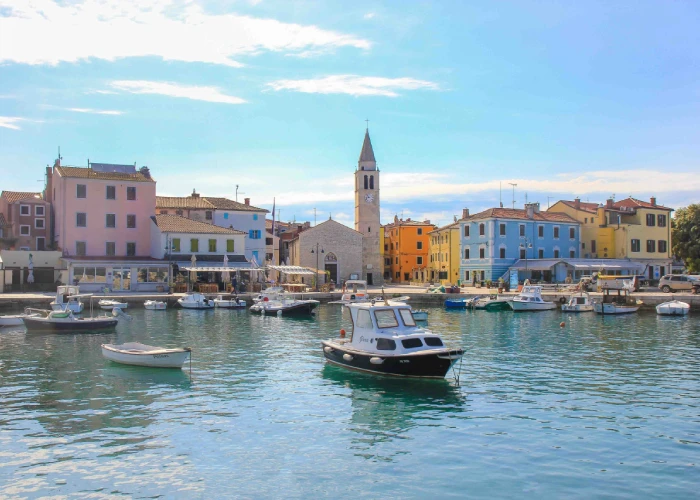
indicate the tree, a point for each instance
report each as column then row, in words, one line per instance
column 686, row 236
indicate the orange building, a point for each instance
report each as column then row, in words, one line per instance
column 406, row 245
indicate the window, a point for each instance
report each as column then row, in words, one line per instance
column 482, row 253
column 81, row 191
column 540, row 253
column 130, row 249
column 482, row 229
column 371, row 182
column 407, row 317
column 540, row 231
column 40, row 212
column 662, row 246
column 593, row 246
column 81, row 219
column 502, row 230
column 130, row 221
column 24, row 230
column 369, row 229
column 25, row 210
column 386, row 247
column 229, row 246
column 585, row 220
column 111, row 220
column 175, row 244
column 363, row 319
column 651, row 246
column 366, row 182
column 179, row 212
column 194, row 245
column 397, row 261
column 651, row 219
column 151, row 275
column 502, row 253
column 385, row 318
column 163, row 212
column 110, row 248
column 466, row 253
column 661, row 220
column 412, row 343
column 420, row 230
column 635, row 245
column 522, row 230
column 466, row 230
column 212, row 246
column 556, row 232
column 208, row 215
column 572, row 233
column 111, row 193
column 387, row 261
column 398, row 275
column 39, row 223
column 522, row 253
column 225, row 215
column 131, row 193
column 41, row 243
column 556, row 253
column 80, row 248
column 254, row 234
column 572, row 254
column 385, row 344
column 419, row 261
column 592, row 220
column 419, row 245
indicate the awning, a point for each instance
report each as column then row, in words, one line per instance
column 597, row 264
column 220, row 269
column 536, row 264
column 293, row 270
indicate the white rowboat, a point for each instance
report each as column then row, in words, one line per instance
column 673, row 308
column 108, row 304
column 134, row 353
column 155, row 305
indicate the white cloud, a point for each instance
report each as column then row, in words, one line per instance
column 52, row 31
column 354, row 85
column 197, row 93
column 369, row 15
column 95, row 111
column 12, row 122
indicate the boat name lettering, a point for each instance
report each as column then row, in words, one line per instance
column 369, row 341
column 160, row 355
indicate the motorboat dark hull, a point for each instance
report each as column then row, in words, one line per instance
column 429, row 364
column 80, row 324
column 456, row 304
column 288, row 310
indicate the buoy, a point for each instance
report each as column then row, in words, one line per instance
column 342, row 333
column 265, row 299
column 562, row 324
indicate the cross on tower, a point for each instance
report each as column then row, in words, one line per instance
column 367, row 121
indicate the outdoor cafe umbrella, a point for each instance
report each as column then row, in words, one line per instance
column 30, row 266
column 225, row 276
column 193, row 273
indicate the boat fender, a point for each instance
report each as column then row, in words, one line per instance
column 562, row 324
column 328, row 349
column 376, row 361
column 347, row 357
column 562, row 300
column 342, row 333
column 265, row 299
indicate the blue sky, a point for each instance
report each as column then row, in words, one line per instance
column 564, row 99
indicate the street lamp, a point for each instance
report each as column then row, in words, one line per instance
column 169, row 252
column 525, row 246
column 317, row 252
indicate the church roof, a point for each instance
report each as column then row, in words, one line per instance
column 367, row 153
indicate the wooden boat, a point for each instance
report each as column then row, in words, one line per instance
column 386, row 340
column 616, row 301
column 578, row 302
column 45, row 320
column 530, row 299
column 68, row 296
column 109, row 304
column 134, row 353
column 673, row 308
column 155, row 305
column 195, row 300
column 285, row 306
column 229, row 302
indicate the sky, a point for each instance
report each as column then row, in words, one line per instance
column 268, row 99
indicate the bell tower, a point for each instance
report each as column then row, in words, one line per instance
column 367, row 212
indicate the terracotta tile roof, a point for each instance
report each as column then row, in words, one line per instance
column 15, row 196
column 408, row 222
column 448, row 226
column 226, row 204
column 635, row 203
column 3, row 222
column 88, row 173
column 191, row 202
column 518, row 213
column 584, row 206
column 169, row 223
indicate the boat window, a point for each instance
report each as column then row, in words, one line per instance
column 433, row 341
column 407, row 317
column 363, row 319
column 412, row 343
column 386, row 345
column 385, row 318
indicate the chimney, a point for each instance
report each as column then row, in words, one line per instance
column 465, row 213
column 247, row 201
column 195, row 194
column 529, row 210
column 577, row 203
column 145, row 172
column 536, row 207
column 609, row 203
column 653, row 200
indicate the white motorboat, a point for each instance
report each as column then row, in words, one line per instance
column 386, row 340
column 109, row 304
column 489, row 303
column 673, row 308
column 578, row 302
column 354, row 291
column 229, row 302
column 134, row 353
column 195, row 300
column 155, row 305
column 616, row 301
column 13, row 319
column 530, row 299
column 285, row 306
column 68, row 296
column 273, row 292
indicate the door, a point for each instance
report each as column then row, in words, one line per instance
column 332, row 271
column 369, row 279
column 122, row 279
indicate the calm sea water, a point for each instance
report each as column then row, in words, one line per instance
column 604, row 407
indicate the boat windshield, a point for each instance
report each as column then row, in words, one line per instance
column 407, row 317
column 386, row 318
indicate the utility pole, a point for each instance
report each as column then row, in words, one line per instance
column 513, row 184
column 314, row 216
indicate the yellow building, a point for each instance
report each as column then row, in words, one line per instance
column 444, row 255
column 626, row 229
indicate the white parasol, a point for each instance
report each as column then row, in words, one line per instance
column 30, row 266
column 193, row 274
column 225, row 276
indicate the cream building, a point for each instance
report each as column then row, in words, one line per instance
column 444, row 254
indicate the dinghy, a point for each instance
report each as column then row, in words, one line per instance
column 155, row 305
column 229, row 302
column 134, row 353
column 108, row 304
column 673, row 308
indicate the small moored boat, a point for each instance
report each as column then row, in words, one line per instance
column 489, row 303
column 109, row 304
column 354, row 291
column 229, row 302
column 530, row 299
column 285, row 306
column 616, row 301
column 420, row 315
column 195, row 300
column 134, row 353
column 155, row 305
column 673, row 308
column 45, row 320
column 12, row 319
column 578, row 302
column 456, row 303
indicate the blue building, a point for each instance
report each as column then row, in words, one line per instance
column 532, row 241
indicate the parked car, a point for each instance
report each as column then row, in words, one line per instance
column 676, row 283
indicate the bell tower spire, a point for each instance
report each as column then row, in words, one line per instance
column 367, row 160
column 367, row 212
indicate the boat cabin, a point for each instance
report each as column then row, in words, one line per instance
column 530, row 294
column 389, row 329
column 617, row 296
column 355, row 291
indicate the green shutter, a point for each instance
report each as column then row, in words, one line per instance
column 229, row 246
column 212, row 245
column 194, row 245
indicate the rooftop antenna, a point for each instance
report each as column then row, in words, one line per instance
column 513, row 184
column 314, row 216
column 500, row 193
column 548, row 198
column 237, row 193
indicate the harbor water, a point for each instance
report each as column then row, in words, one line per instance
column 602, row 407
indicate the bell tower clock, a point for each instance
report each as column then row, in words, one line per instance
column 367, row 212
